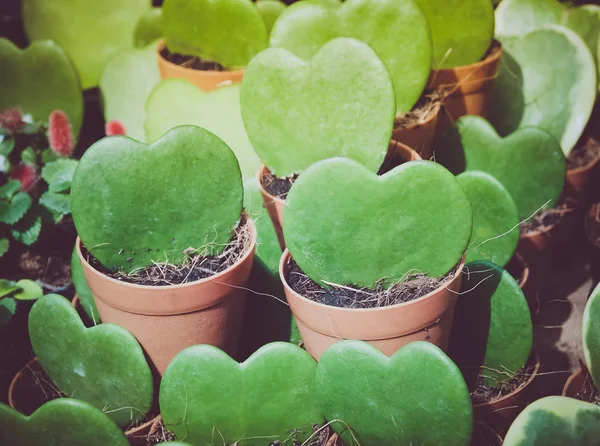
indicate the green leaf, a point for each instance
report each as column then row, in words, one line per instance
column 27, row 232
column 585, row 21
column 344, row 83
column 417, row 217
column 4, row 245
column 49, row 155
column 90, row 32
column 12, row 212
column 60, row 203
column 29, row 290
column 86, row 298
column 6, row 145
column 591, row 335
column 462, row 30
column 24, row 86
column 396, row 29
column 10, row 189
column 520, row 17
column 28, row 156
column 148, row 28
column 8, row 308
column 538, row 71
column 7, row 287
column 270, row 10
column 230, row 32
column 124, row 197
column 59, row 174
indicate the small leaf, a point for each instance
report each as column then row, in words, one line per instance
column 4, row 245
column 28, row 156
column 6, row 145
column 16, row 209
column 59, row 174
column 10, row 189
column 48, row 155
column 7, row 287
column 29, row 290
column 30, row 233
column 60, row 203
column 8, row 307
column 31, row 128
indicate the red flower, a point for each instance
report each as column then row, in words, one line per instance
column 114, row 127
column 60, row 134
column 26, row 174
column 12, row 120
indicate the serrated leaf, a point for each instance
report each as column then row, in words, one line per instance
column 59, row 174
column 8, row 307
column 30, row 233
column 28, row 156
column 17, row 208
column 6, row 145
column 7, row 287
column 60, row 203
column 10, row 189
column 4, row 245
column 28, row 290
column 49, row 155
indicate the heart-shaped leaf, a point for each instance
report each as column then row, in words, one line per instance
column 208, row 398
column 591, row 335
column 346, row 225
column 176, row 102
column 396, row 29
column 39, row 80
column 297, row 113
column 495, row 218
column 230, row 32
column 148, row 28
column 520, row 17
column 585, row 21
column 397, row 400
column 556, row 421
column 492, row 332
column 134, row 204
column 462, row 30
column 86, row 298
column 529, row 162
column 126, row 81
column 270, row 10
column 90, row 32
column 538, row 71
column 61, row 422
column 103, row 365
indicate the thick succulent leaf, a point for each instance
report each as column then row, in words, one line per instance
column 591, row 335
column 82, row 289
column 148, row 28
column 520, row 17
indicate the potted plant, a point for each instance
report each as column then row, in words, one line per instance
column 298, row 112
column 163, row 252
column 384, row 269
column 103, row 366
column 529, row 163
column 491, row 342
column 397, row 30
column 465, row 56
column 209, row 42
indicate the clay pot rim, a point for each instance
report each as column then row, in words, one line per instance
column 572, row 377
column 433, row 114
column 259, row 174
column 208, row 73
column 567, row 212
column 526, row 269
column 17, row 377
column 496, row 54
column 249, row 252
column 489, row 404
column 588, row 166
column 283, row 264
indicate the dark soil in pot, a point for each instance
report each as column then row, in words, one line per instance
column 484, row 435
column 588, row 392
column 545, row 220
column 196, row 268
column 483, row 394
column 278, row 187
column 192, row 62
column 583, row 154
column 427, row 105
column 413, row 287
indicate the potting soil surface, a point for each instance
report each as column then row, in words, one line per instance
column 278, row 187
column 192, row 62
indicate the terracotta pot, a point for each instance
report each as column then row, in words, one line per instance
column 576, row 383
column 428, row 318
column 500, row 413
column 420, row 135
column 468, row 87
column 580, row 184
column 203, row 79
column 273, row 204
column 17, row 393
column 397, row 154
column 167, row 319
column 518, row 268
column 592, row 225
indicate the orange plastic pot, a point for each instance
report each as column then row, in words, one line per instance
column 17, row 392
column 580, row 184
column 421, row 134
column 469, row 87
column 167, row 319
column 428, row 318
column 203, row 79
column 500, row 413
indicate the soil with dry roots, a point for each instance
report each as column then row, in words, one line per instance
column 193, row 62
